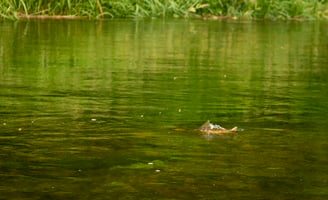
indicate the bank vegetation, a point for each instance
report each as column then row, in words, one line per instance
column 208, row 9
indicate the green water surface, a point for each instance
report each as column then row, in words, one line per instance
column 108, row 109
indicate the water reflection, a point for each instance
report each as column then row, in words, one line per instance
column 87, row 105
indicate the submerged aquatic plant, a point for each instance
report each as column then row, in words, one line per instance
column 272, row 9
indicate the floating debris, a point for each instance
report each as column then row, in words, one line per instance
column 93, row 120
column 150, row 163
column 157, row 170
column 20, row 129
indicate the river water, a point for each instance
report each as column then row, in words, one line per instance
column 108, row 109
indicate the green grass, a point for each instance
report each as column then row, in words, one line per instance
column 248, row 9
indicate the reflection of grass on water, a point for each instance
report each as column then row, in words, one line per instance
column 159, row 8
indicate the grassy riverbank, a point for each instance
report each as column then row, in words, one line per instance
column 247, row 9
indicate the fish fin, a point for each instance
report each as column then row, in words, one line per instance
column 234, row 128
column 205, row 126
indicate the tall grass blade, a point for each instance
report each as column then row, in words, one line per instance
column 24, row 6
